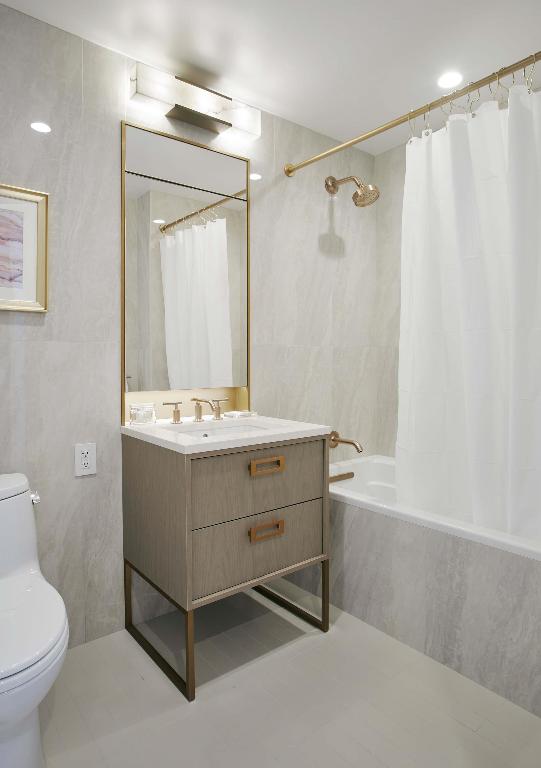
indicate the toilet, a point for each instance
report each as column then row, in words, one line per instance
column 33, row 628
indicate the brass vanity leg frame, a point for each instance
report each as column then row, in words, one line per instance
column 323, row 623
column 185, row 685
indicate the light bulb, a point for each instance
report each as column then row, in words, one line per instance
column 40, row 127
column 450, row 80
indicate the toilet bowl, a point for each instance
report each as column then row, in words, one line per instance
column 33, row 629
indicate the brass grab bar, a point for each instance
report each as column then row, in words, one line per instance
column 343, row 476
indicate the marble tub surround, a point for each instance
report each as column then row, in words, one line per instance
column 470, row 606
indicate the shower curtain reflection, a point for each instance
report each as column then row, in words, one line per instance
column 469, row 432
column 196, row 304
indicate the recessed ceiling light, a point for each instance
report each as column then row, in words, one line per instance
column 41, row 127
column 158, row 221
column 450, row 79
column 255, row 176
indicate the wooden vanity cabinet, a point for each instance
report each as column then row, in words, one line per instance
column 200, row 527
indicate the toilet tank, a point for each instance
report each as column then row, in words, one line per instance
column 18, row 544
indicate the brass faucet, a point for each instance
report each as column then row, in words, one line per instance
column 214, row 405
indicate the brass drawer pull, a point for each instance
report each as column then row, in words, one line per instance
column 276, row 528
column 268, row 466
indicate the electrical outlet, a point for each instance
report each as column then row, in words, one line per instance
column 85, row 459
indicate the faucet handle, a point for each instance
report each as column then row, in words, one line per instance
column 176, row 411
column 198, row 409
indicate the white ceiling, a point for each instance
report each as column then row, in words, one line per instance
column 340, row 67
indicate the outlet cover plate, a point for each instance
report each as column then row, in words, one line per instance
column 85, row 459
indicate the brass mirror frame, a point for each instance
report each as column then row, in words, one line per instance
column 242, row 394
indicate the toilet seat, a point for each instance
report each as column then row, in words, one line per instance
column 33, row 627
column 31, row 673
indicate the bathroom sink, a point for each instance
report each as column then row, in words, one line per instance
column 211, row 425
column 212, row 429
column 197, row 437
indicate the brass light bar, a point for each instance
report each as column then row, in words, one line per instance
column 290, row 168
column 165, row 227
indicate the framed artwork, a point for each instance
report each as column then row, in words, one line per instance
column 23, row 249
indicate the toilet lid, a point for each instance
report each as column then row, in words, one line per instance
column 12, row 485
column 32, row 620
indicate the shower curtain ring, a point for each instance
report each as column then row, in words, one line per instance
column 473, row 101
column 500, row 84
column 529, row 78
column 447, row 114
column 426, row 116
column 411, row 130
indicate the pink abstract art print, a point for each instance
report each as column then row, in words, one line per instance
column 11, row 248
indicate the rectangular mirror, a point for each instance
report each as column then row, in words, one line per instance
column 185, row 267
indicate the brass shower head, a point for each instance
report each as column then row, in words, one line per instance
column 364, row 195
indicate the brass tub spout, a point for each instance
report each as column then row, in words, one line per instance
column 335, row 440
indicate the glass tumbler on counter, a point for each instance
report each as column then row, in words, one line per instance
column 142, row 413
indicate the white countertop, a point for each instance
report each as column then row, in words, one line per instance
column 210, row 435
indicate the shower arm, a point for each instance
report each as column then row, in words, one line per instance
column 354, row 179
column 495, row 77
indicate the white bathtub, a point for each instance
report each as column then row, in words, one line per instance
column 373, row 487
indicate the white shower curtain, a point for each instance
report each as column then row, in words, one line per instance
column 469, row 422
column 196, row 302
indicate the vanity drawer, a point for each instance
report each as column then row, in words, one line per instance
column 232, row 553
column 239, row 484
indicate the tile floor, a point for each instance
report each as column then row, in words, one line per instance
column 273, row 692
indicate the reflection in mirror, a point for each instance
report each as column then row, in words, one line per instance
column 185, row 266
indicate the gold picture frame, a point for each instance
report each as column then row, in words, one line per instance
column 23, row 249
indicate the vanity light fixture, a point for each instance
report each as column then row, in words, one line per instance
column 182, row 100
column 450, row 80
column 158, row 221
column 255, row 177
column 40, row 127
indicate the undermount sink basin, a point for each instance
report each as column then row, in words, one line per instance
column 209, row 429
column 213, row 425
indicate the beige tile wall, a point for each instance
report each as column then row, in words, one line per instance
column 324, row 305
column 60, row 372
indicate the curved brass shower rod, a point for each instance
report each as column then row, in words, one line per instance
column 495, row 77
